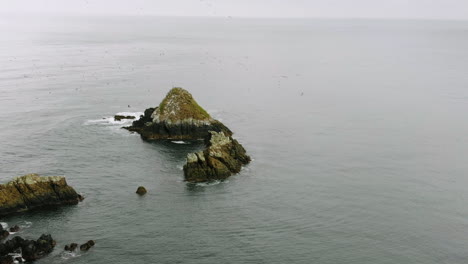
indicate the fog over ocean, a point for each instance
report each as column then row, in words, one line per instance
column 357, row 130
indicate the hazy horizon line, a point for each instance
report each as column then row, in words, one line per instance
column 35, row 14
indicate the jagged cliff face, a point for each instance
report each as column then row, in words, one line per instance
column 223, row 157
column 178, row 117
column 32, row 191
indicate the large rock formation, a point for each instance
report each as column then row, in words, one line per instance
column 32, row 191
column 178, row 117
column 223, row 157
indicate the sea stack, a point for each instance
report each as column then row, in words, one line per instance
column 33, row 191
column 179, row 117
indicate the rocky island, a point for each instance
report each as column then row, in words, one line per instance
column 33, row 191
column 179, row 117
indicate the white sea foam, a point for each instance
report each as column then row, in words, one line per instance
column 17, row 255
column 211, row 183
column 135, row 114
column 110, row 121
column 180, row 142
column 69, row 255
column 4, row 225
column 25, row 224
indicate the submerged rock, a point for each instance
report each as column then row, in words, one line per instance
column 141, row 190
column 33, row 191
column 31, row 250
column 120, row 117
column 178, row 117
column 223, row 157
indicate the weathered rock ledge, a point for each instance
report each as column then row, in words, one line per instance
column 178, row 117
column 223, row 157
column 33, row 191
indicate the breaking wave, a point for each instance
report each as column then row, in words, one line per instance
column 110, row 120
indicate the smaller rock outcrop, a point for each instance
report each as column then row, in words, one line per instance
column 223, row 157
column 138, row 125
column 71, row 247
column 141, row 190
column 33, row 191
column 14, row 229
column 120, row 117
column 31, row 250
column 86, row 246
column 3, row 233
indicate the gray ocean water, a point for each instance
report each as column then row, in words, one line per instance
column 357, row 130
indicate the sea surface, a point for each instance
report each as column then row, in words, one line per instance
column 358, row 130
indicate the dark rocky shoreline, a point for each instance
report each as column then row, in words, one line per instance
column 29, row 250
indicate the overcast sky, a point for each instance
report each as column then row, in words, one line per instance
column 426, row 9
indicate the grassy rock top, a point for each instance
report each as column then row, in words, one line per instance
column 179, row 105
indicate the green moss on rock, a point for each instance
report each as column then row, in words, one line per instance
column 179, row 105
